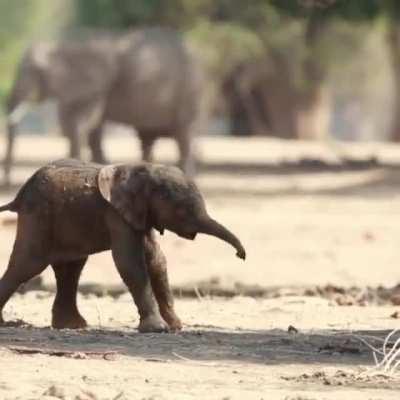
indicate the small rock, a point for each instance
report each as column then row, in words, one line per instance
column 310, row 292
column 54, row 391
column 368, row 236
column 292, row 329
column 345, row 300
column 395, row 315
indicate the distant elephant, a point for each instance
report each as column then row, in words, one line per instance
column 147, row 79
column 69, row 210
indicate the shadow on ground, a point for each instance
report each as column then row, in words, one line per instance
column 204, row 344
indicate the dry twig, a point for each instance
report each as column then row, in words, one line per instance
column 106, row 355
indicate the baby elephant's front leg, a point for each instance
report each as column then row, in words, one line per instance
column 128, row 253
column 157, row 265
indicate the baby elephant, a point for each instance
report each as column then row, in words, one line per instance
column 70, row 209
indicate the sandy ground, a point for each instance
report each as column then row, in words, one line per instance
column 303, row 224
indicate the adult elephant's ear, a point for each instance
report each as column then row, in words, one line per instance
column 126, row 192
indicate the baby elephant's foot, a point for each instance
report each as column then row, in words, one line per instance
column 175, row 326
column 153, row 323
column 63, row 321
column 173, row 321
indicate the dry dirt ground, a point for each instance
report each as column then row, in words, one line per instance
column 295, row 321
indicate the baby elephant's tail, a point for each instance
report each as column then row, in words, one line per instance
column 8, row 207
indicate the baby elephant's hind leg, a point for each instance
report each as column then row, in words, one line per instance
column 28, row 257
column 21, row 269
column 157, row 265
column 65, row 313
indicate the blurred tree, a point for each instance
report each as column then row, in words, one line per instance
column 296, row 82
column 361, row 11
column 282, row 92
column 268, row 60
column 391, row 12
column 122, row 14
column 272, row 55
column 20, row 21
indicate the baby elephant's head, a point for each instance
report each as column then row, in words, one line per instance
column 150, row 195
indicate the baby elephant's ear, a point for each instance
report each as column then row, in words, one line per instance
column 125, row 193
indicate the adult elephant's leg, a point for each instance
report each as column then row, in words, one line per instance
column 147, row 145
column 27, row 260
column 70, row 129
column 127, row 249
column 95, row 138
column 78, row 119
column 8, row 157
column 186, row 161
column 65, row 313
column 157, row 265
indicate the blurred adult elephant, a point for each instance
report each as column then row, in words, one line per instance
column 146, row 78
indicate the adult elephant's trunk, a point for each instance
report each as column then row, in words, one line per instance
column 11, row 108
column 9, row 151
column 16, row 109
column 214, row 228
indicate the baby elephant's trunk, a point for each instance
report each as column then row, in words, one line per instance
column 214, row 228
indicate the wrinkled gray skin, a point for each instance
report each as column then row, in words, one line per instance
column 146, row 79
column 69, row 210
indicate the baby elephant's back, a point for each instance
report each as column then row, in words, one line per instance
column 66, row 195
column 70, row 181
column 56, row 183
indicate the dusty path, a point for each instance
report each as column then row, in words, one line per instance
column 301, row 225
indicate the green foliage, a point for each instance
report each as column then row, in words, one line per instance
column 114, row 13
column 391, row 9
column 121, row 14
column 20, row 22
column 360, row 10
column 232, row 44
column 237, row 31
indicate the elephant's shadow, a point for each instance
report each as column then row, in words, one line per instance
column 200, row 344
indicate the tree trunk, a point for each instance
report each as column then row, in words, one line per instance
column 393, row 40
column 313, row 113
column 313, row 102
column 264, row 99
column 279, row 97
